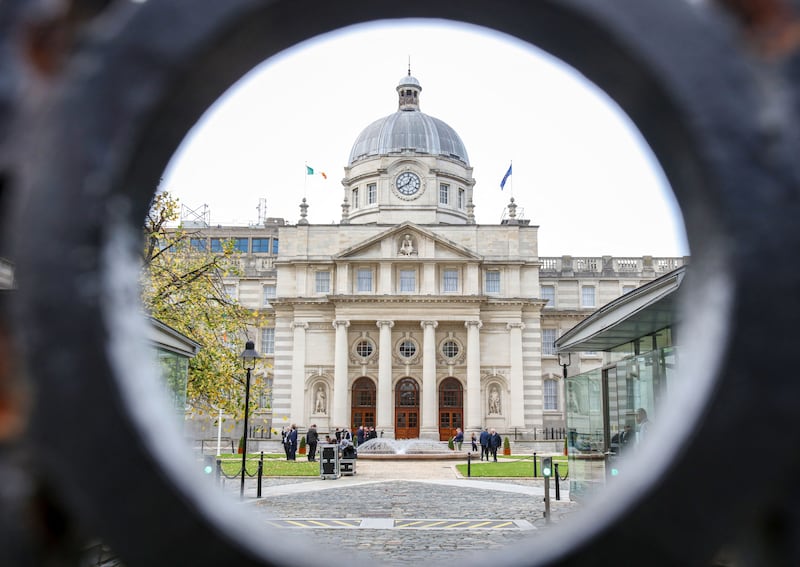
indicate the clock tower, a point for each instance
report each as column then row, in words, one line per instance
column 408, row 166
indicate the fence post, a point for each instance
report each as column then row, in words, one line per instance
column 218, row 471
column 469, row 464
column 261, row 471
column 534, row 464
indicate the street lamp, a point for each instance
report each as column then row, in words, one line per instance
column 564, row 359
column 249, row 357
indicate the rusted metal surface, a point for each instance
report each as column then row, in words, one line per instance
column 90, row 149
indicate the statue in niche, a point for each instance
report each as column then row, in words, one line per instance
column 319, row 401
column 494, row 401
column 407, row 247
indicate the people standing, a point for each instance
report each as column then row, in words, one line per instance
column 494, row 443
column 292, row 437
column 644, row 424
column 360, row 438
column 285, row 440
column 484, row 444
column 474, row 443
column 312, row 438
column 458, row 440
column 372, row 433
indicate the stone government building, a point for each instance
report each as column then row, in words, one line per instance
column 407, row 315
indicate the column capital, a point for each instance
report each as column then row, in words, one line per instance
column 510, row 326
column 300, row 325
column 478, row 324
column 340, row 323
column 424, row 324
column 381, row 324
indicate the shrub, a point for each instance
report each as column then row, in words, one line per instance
column 506, row 443
column 450, row 444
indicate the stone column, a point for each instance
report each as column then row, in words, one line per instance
column 429, row 427
column 384, row 421
column 339, row 410
column 474, row 418
column 298, row 405
column 516, row 405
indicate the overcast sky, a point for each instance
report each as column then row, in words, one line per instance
column 582, row 172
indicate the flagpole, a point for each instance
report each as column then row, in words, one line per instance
column 305, row 179
column 511, row 184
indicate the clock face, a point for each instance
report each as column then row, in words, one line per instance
column 407, row 183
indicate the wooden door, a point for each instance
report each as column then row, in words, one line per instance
column 406, row 411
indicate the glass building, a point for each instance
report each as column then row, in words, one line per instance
column 609, row 409
column 173, row 351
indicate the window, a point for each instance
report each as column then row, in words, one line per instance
column 364, row 348
column 493, row 281
column 550, row 394
column 407, row 348
column 323, row 281
column 587, row 296
column 198, row 244
column 260, row 245
column 462, row 196
column 355, row 198
column 241, row 245
column 449, row 280
column 548, row 340
column 444, row 194
column 627, row 289
column 364, row 279
column 450, row 349
column 216, row 244
column 269, row 293
column 274, row 245
column 230, row 290
column 548, row 293
column 408, row 281
column 268, row 341
column 372, row 194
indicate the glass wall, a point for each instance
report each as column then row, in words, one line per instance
column 175, row 372
column 609, row 411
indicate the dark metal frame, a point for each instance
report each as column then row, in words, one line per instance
column 720, row 116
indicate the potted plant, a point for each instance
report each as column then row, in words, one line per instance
column 303, row 445
column 450, row 444
column 241, row 445
column 506, row 446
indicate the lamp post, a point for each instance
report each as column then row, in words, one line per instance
column 249, row 357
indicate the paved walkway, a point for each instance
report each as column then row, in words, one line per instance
column 402, row 512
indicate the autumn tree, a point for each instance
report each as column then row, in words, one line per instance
column 183, row 287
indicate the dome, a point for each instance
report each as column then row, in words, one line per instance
column 408, row 129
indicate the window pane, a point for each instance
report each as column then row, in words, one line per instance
column 269, row 293
column 323, row 282
column 268, row 341
column 444, row 194
column 407, row 349
column 461, row 199
column 493, row 281
column 450, row 349
column 450, row 281
column 372, row 194
column 587, row 296
column 364, row 279
column 355, row 199
column 364, row 348
column 198, row 244
column 548, row 340
column 216, row 244
column 274, row 245
column 408, row 281
column 550, row 395
column 548, row 293
column 241, row 245
column 260, row 245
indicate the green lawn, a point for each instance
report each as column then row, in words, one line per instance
column 276, row 465
column 518, row 467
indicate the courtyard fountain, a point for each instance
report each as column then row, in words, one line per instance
column 406, row 449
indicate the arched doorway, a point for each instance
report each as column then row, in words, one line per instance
column 451, row 407
column 406, row 409
column 363, row 405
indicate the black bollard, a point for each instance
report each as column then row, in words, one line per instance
column 469, row 464
column 558, row 482
column 261, row 471
column 218, row 471
column 534, row 464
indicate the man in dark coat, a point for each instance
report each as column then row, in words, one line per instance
column 312, row 437
column 494, row 443
column 484, row 444
column 292, row 440
column 360, row 435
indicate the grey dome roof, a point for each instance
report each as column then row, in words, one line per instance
column 408, row 129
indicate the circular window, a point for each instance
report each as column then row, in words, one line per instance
column 450, row 349
column 364, row 348
column 407, row 349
